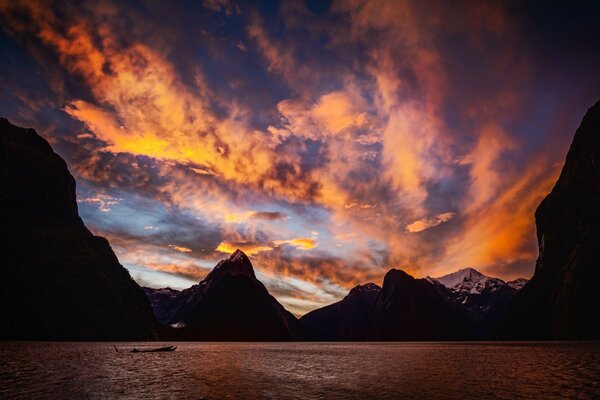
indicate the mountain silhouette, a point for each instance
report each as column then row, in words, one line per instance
column 562, row 299
column 346, row 320
column 59, row 281
column 462, row 305
column 412, row 309
column 230, row 304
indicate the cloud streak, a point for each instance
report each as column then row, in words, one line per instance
column 429, row 222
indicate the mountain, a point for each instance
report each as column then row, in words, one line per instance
column 59, row 281
column 562, row 299
column 483, row 299
column 346, row 320
column 163, row 302
column 413, row 309
column 517, row 283
column 230, row 304
column 468, row 281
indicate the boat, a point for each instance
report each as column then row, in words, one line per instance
column 156, row 350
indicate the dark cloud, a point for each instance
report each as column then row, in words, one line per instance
column 269, row 215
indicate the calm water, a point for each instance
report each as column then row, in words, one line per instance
column 301, row 370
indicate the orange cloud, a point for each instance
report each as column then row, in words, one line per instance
column 368, row 150
column 429, row 222
column 189, row 271
column 502, row 232
column 337, row 111
column 181, row 249
column 486, row 173
column 248, row 248
column 299, row 243
column 143, row 108
column 333, row 113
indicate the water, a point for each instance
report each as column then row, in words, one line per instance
column 301, row 371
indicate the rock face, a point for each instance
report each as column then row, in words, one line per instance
column 59, row 281
column 412, row 309
column 562, row 299
column 346, row 320
column 163, row 302
column 482, row 298
column 230, row 304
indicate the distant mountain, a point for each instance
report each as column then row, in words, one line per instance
column 562, row 299
column 230, row 304
column 517, row 283
column 462, row 305
column 59, row 281
column 346, row 320
column 413, row 309
column 468, row 281
column 163, row 302
column 483, row 299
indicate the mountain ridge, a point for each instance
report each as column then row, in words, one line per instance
column 81, row 292
column 60, row 282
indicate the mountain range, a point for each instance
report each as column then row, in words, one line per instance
column 462, row 305
column 61, row 282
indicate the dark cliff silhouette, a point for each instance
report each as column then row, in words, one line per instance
column 404, row 308
column 562, row 299
column 346, row 320
column 412, row 309
column 230, row 304
column 59, row 281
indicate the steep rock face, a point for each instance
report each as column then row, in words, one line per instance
column 230, row 304
column 163, row 302
column 59, row 282
column 562, row 300
column 346, row 320
column 412, row 309
column 482, row 298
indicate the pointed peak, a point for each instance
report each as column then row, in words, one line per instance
column 463, row 274
column 366, row 288
column 238, row 263
column 469, row 280
column 469, row 271
column 239, row 256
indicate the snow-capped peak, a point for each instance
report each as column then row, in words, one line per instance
column 476, row 292
column 517, row 283
column 469, row 281
column 455, row 279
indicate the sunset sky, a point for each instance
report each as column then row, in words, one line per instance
column 329, row 140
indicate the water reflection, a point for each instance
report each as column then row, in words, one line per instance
column 301, row 370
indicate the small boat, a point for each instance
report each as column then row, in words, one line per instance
column 156, row 350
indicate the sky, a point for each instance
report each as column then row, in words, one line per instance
column 329, row 140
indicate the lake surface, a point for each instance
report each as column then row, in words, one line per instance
column 301, row 370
